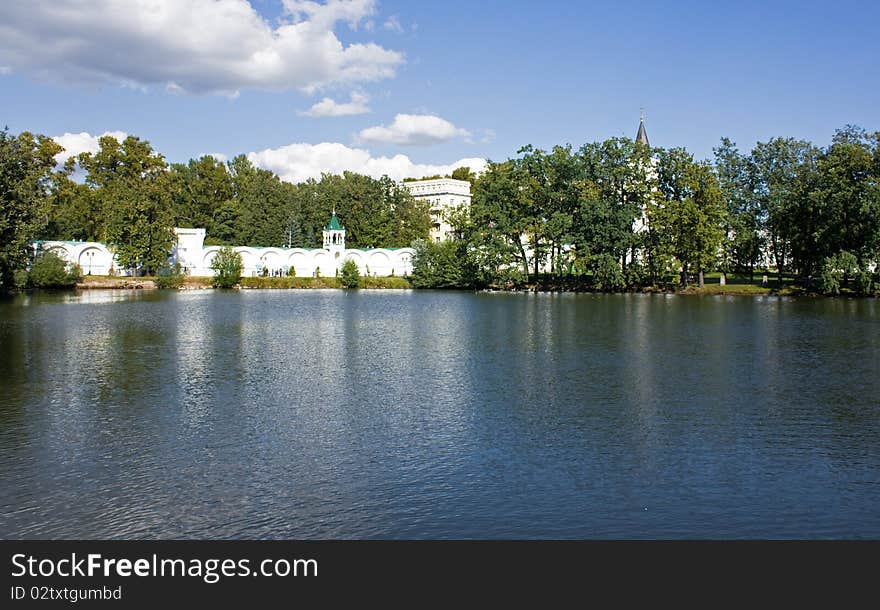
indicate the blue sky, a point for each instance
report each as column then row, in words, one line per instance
column 471, row 79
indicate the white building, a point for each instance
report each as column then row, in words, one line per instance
column 195, row 258
column 94, row 258
column 443, row 194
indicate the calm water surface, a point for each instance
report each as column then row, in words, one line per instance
column 326, row 414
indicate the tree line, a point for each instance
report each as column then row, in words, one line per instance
column 128, row 196
column 618, row 215
column 611, row 215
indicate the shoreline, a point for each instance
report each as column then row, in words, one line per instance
column 398, row 283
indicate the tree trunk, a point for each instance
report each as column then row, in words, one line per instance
column 525, row 259
column 700, row 275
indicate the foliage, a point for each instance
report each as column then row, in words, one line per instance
column 614, row 211
column 169, row 277
column 26, row 163
column 134, row 194
column 443, row 265
column 227, row 266
column 864, row 282
column 51, row 271
column 688, row 212
column 829, row 277
column 607, row 274
column 350, row 276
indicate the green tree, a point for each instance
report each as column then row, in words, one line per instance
column 50, row 271
column 463, row 173
column 200, row 189
column 133, row 188
column 498, row 218
column 689, row 212
column 26, row 163
column 410, row 218
column 743, row 240
column 263, row 205
column 780, row 172
column 607, row 273
column 844, row 203
column 350, row 276
column 444, row 264
column 227, row 266
column 618, row 178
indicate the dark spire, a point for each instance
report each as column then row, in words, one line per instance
column 642, row 136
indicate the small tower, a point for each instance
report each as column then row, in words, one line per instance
column 642, row 135
column 334, row 235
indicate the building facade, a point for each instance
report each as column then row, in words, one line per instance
column 194, row 258
column 443, row 194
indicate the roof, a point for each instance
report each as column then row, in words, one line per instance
column 642, row 136
column 334, row 224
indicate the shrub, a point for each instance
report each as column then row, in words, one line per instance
column 607, row 274
column 227, row 267
column 350, row 276
column 51, row 271
column 636, row 274
column 864, row 282
column 829, row 282
column 169, row 277
column 446, row 264
column 20, row 278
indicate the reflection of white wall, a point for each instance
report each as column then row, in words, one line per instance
column 196, row 259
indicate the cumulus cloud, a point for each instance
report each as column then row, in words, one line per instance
column 413, row 130
column 358, row 104
column 298, row 162
column 192, row 46
column 76, row 143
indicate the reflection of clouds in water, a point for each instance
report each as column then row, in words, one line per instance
column 292, row 414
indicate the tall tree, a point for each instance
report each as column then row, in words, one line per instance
column 499, row 217
column 743, row 237
column 26, row 163
column 618, row 179
column 780, row 172
column 689, row 212
column 201, row 188
column 134, row 191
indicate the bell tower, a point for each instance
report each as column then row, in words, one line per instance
column 334, row 235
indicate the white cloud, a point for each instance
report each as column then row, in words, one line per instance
column 413, row 130
column 192, row 46
column 76, row 143
column 393, row 24
column 298, row 162
column 218, row 156
column 358, row 104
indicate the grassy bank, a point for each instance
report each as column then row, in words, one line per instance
column 734, row 286
column 191, row 283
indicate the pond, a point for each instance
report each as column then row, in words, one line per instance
column 407, row 414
